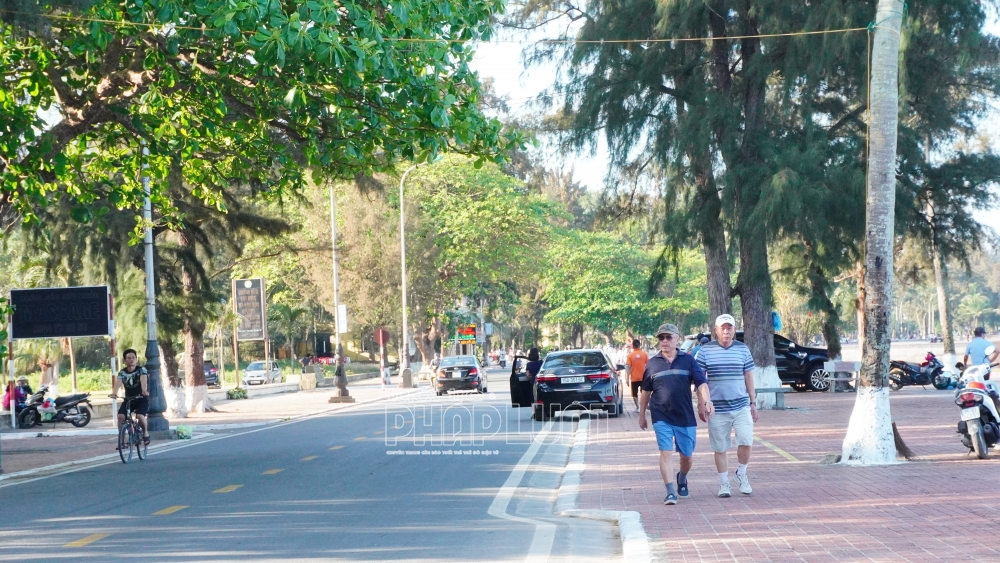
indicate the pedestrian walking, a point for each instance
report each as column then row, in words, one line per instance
column 728, row 366
column 635, row 367
column 666, row 392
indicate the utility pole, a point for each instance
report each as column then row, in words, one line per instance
column 406, row 377
column 341, row 395
column 157, row 402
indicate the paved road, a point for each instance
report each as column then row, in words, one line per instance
column 329, row 488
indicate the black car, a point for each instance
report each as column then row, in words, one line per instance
column 211, row 374
column 459, row 373
column 798, row 366
column 568, row 380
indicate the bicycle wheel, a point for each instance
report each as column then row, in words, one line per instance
column 125, row 442
column 140, row 444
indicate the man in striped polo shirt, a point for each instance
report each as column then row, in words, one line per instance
column 728, row 366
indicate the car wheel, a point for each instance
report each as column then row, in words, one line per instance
column 817, row 380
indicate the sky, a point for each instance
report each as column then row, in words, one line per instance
column 502, row 61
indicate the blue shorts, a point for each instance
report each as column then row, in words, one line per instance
column 681, row 438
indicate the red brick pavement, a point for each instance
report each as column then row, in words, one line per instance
column 943, row 507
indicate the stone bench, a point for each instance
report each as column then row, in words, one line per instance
column 779, row 395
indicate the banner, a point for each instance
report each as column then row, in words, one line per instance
column 248, row 302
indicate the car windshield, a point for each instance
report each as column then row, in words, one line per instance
column 588, row 359
column 256, row 366
column 458, row 361
column 209, row 364
column 688, row 343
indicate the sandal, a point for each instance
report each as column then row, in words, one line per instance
column 145, row 440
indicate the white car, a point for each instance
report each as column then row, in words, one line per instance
column 255, row 374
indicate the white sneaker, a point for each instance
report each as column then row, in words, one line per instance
column 744, row 482
column 725, row 491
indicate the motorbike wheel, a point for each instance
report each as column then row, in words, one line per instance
column 978, row 440
column 895, row 383
column 83, row 418
column 28, row 418
column 941, row 383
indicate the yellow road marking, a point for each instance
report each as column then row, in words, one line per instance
column 227, row 489
column 169, row 510
column 272, row 471
column 87, row 540
column 335, row 448
column 360, row 439
column 377, row 432
column 777, row 450
column 309, row 458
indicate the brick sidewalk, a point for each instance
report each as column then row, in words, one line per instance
column 30, row 453
column 940, row 508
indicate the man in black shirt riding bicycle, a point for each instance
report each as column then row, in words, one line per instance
column 134, row 379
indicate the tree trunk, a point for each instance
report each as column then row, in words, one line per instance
column 425, row 336
column 869, row 439
column 194, row 335
column 754, row 281
column 944, row 312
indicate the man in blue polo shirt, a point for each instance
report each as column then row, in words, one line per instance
column 666, row 391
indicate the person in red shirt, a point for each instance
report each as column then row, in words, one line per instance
column 635, row 366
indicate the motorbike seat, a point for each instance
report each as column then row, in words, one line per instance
column 60, row 401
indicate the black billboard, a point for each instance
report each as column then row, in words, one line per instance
column 60, row 312
column 248, row 297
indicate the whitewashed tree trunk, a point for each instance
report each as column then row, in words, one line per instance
column 869, row 433
column 176, row 402
column 197, row 398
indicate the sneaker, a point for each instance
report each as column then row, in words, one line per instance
column 725, row 491
column 744, row 482
column 671, row 498
column 682, row 488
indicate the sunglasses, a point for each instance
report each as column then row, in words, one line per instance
column 662, row 337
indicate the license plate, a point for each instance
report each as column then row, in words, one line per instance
column 971, row 413
column 571, row 380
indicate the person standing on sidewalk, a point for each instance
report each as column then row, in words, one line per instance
column 729, row 368
column 666, row 391
column 635, row 365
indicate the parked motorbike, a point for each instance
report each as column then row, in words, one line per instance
column 930, row 372
column 75, row 409
column 980, row 424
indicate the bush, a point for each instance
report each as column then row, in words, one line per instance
column 237, row 393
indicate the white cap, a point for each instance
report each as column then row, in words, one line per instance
column 725, row 319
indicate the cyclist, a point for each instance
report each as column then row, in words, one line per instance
column 134, row 379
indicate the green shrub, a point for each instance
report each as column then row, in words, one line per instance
column 237, row 393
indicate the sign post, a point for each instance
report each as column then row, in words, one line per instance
column 249, row 306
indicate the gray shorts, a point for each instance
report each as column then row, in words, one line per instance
column 722, row 425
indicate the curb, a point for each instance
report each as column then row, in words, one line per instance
column 182, row 443
column 635, row 541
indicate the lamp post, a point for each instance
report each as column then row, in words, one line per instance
column 404, row 359
column 341, row 395
column 157, row 403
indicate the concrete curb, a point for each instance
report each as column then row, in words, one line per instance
column 181, row 443
column 635, row 541
column 113, row 432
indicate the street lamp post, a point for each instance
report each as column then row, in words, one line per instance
column 404, row 359
column 341, row 395
column 157, row 403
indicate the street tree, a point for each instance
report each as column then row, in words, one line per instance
column 869, row 438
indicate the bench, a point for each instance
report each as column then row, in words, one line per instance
column 839, row 367
column 779, row 396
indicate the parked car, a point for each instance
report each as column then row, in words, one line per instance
column 255, row 374
column 211, row 374
column 800, row 367
column 568, row 380
column 459, row 373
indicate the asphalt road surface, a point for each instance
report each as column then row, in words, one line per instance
column 418, row 479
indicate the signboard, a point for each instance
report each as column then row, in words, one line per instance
column 342, row 319
column 248, row 299
column 489, row 329
column 60, row 312
column 382, row 336
column 467, row 334
column 480, row 337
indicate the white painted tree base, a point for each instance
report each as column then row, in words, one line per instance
column 869, row 433
column 176, row 405
column 197, row 399
column 764, row 378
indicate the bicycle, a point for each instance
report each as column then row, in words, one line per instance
column 130, row 434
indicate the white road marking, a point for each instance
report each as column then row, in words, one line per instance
column 541, row 543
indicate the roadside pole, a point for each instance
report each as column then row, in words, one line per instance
column 10, row 368
column 114, row 357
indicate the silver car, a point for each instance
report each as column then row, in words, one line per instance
column 255, row 374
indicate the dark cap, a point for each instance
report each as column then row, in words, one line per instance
column 980, row 331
